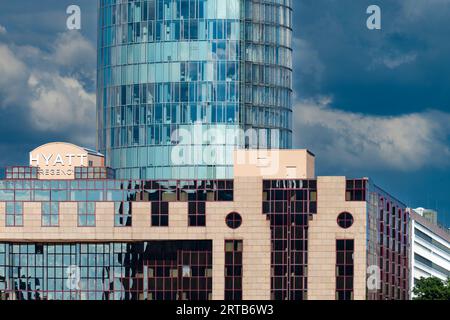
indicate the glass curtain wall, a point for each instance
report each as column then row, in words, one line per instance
column 180, row 80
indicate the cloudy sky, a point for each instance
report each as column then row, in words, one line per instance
column 367, row 103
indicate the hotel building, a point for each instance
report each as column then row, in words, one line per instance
column 70, row 230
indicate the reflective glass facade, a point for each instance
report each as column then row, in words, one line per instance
column 197, row 192
column 388, row 242
column 219, row 66
column 154, row 270
column 289, row 205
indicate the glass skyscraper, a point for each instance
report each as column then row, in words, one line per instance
column 182, row 83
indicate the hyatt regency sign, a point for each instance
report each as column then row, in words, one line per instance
column 58, row 160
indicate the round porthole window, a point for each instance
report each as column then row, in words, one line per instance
column 345, row 220
column 233, row 220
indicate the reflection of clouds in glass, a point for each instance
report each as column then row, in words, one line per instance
column 186, row 271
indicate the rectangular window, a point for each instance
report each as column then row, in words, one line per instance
column 50, row 214
column 355, row 190
column 233, row 269
column 22, row 173
column 86, row 214
column 122, row 214
column 14, row 214
column 197, row 214
column 160, row 214
column 344, row 269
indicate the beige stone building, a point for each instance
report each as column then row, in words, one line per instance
column 68, row 230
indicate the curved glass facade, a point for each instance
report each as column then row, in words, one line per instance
column 181, row 82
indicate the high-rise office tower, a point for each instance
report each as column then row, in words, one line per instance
column 182, row 83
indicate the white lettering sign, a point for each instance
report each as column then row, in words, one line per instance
column 57, row 159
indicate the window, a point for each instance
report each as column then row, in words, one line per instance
column 430, row 240
column 289, row 204
column 122, row 214
column 94, row 172
column 355, row 190
column 233, row 220
column 233, row 269
column 14, row 214
column 197, row 214
column 344, row 269
column 345, row 220
column 50, row 214
column 106, row 271
column 160, row 214
column 22, row 173
column 187, row 272
column 431, row 265
column 393, row 237
column 86, row 214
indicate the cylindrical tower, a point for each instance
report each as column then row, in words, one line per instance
column 182, row 83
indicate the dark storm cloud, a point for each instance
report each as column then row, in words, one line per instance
column 394, row 81
column 402, row 68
